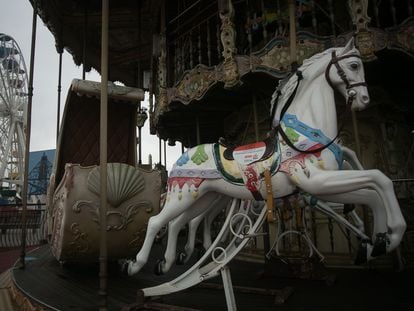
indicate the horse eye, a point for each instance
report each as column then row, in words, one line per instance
column 354, row 66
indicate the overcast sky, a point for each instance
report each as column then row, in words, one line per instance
column 16, row 21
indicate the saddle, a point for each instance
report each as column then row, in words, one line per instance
column 267, row 145
column 232, row 161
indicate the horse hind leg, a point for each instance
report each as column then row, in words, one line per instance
column 175, row 225
column 193, row 225
column 223, row 203
column 172, row 208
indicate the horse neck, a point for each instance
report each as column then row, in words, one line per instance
column 314, row 104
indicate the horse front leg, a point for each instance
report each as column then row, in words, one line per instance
column 371, row 199
column 322, row 183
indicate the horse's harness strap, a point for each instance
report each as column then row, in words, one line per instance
column 335, row 61
column 290, row 99
column 282, row 113
column 269, row 195
column 291, row 145
column 292, row 96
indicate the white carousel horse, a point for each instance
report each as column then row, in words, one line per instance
column 222, row 205
column 207, row 217
column 307, row 158
column 332, row 210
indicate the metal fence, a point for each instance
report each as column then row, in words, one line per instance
column 11, row 226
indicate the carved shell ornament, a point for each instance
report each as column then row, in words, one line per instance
column 124, row 182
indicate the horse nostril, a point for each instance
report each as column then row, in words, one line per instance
column 365, row 98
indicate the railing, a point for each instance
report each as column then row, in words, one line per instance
column 11, row 225
column 300, row 232
column 389, row 13
column 195, row 45
column 194, row 34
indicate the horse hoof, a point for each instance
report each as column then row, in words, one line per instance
column 181, row 259
column 158, row 267
column 348, row 208
column 124, row 264
column 380, row 245
column 160, row 235
column 361, row 256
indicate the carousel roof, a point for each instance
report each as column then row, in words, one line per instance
column 76, row 26
column 199, row 101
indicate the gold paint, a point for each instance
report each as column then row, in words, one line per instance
column 295, row 179
column 22, row 301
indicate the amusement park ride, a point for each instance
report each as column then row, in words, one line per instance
column 298, row 156
column 13, row 105
column 281, row 82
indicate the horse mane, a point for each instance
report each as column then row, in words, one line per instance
column 287, row 85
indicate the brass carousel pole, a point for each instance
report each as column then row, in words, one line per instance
column 165, row 154
column 103, row 249
column 27, row 143
column 266, row 239
column 198, row 131
column 162, row 70
column 292, row 33
column 85, row 38
column 141, row 118
column 59, row 49
column 365, row 215
column 356, row 135
column 255, row 117
column 159, row 149
column 360, row 20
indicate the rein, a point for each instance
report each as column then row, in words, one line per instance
column 351, row 95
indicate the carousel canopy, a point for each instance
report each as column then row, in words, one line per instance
column 76, row 26
column 213, row 65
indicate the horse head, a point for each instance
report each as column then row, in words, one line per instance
column 345, row 73
column 341, row 68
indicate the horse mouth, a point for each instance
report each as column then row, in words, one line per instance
column 360, row 102
column 358, row 106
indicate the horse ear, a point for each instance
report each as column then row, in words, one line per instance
column 348, row 47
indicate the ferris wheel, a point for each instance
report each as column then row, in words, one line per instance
column 13, row 105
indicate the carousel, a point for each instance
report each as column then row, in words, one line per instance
column 295, row 175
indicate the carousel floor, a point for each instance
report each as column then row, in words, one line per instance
column 75, row 287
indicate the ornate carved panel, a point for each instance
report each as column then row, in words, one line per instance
column 273, row 59
column 228, row 40
column 133, row 197
column 195, row 83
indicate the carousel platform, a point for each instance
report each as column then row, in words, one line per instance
column 49, row 285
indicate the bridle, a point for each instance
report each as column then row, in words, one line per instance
column 350, row 92
column 341, row 73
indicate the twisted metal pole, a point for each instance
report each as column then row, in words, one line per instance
column 103, row 143
column 60, row 51
column 27, row 142
column 292, row 32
